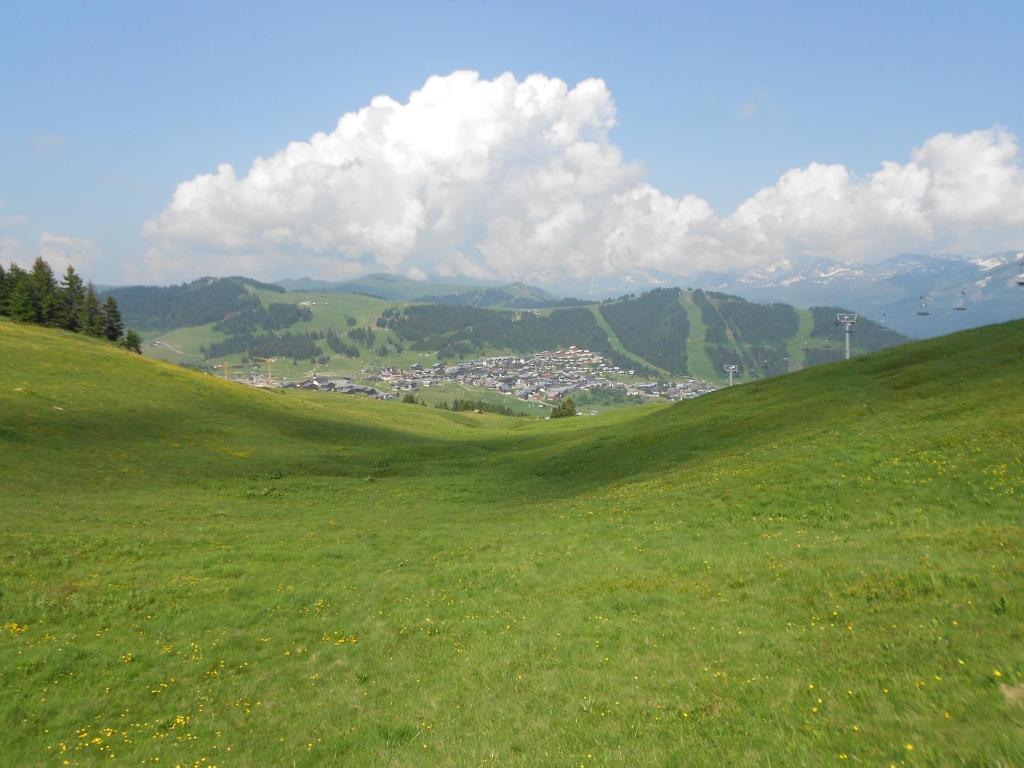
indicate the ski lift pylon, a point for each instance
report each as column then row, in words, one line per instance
column 922, row 309
column 961, row 305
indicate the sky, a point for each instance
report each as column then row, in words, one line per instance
column 158, row 142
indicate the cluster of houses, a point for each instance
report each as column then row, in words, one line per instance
column 544, row 376
column 341, row 386
column 541, row 377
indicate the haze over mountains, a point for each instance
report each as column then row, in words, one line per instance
column 894, row 289
column 888, row 290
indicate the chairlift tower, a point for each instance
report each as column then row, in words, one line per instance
column 730, row 369
column 847, row 320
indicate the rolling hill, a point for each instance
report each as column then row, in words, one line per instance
column 398, row 288
column 815, row 568
column 665, row 332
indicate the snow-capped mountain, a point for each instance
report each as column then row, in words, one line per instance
column 891, row 290
column 895, row 290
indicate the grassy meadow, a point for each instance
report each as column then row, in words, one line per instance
column 820, row 568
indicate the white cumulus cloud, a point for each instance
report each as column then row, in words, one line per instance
column 519, row 179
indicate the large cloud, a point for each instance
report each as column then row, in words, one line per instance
column 502, row 178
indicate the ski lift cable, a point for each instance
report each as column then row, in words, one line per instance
column 1000, row 272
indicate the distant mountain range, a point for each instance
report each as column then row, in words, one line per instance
column 893, row 290
column 890, row 291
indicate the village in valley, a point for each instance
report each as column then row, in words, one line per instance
column 542, row 377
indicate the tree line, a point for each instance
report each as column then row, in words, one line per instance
column 297, row 346
column 36, row 296
column 202, row 301
column 255, row 317
column 459, row 404
column 458, row 331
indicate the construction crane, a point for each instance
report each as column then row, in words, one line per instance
column 227, row 368
column 270, row 367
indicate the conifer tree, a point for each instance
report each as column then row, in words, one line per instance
column 113, row 328
column 20, row 302
column 44, row 293
column 13, row 277
column 91, row 317
column 72, row 296
column 5, row 290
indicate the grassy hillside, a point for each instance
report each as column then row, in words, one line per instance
column 818, row 568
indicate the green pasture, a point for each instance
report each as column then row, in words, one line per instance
column 815, row 569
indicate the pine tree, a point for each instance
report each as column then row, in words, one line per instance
column 72, row 296
column 113, row 328
column 5, row 290
column 20, row 302
column 90, row 319
column 13, row 277
column 44, row 293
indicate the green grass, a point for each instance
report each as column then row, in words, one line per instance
column 821, row 568
column 330, row 309
column 697, row 358
column 450, row 390
column 181, row 345
column 795, row 346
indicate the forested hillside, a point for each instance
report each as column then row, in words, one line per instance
column 207, row 300
column 460, row 331
column 663, row 333
column 36, row 296
column 769, row 339
column 751, row 336
column 653, row 326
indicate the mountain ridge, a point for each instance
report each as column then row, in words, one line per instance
column 664, row 332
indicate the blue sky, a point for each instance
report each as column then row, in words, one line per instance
column 108, row 106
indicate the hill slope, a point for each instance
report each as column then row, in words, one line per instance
column 663, row 333
column 812, row 568
column 397, row 288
